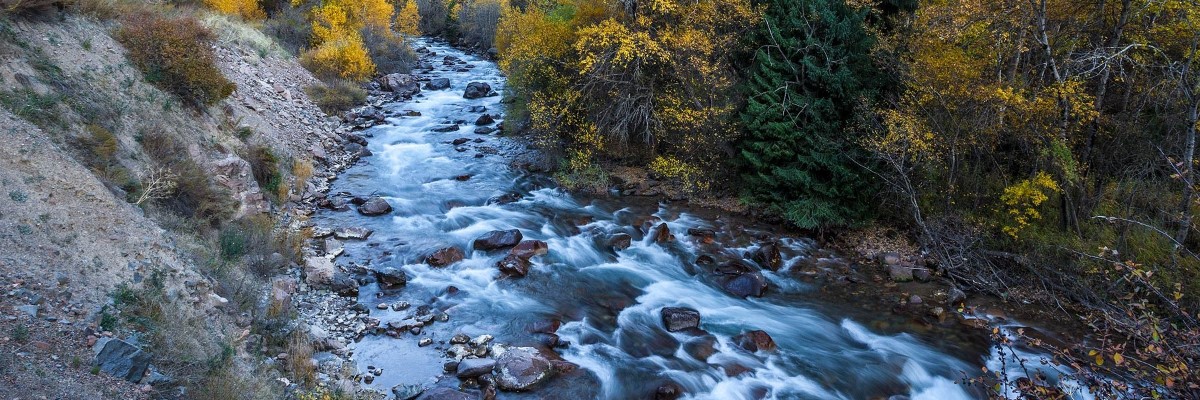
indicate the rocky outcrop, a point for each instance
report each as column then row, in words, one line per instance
column 235, row 176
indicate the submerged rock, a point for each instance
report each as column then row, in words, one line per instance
column 662, row 233
column 512, row 265
column 438, row 84
column 679, row 318
column 392, row 277
column 474, row 367
column 529, row 248
column 620, row 241
column 768, row 256
column 754, row 341
column 746, row 285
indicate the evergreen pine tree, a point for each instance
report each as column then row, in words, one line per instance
column 812, row 68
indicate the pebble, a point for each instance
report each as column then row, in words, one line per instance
column 382, row 306
column 425, row 342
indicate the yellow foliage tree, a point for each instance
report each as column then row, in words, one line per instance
column 1022, row 200
column 248, row 9
column 345, row 57
column 408, row 20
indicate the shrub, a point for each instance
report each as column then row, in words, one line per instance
column 193, row 197
column 174, row 53
column 388, row 51
column 99, row 149
column 247, row 9
column 265, row 166
column 345, row 58
column 39, row 109
column 336, row 97
column 290, row 28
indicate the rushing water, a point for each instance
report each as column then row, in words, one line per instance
column 608, row 301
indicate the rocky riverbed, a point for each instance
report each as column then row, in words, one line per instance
column 440, row 266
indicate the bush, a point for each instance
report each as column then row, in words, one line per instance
column 345, row 57
column 247, row 9
column 290, row 28
column 194, row 197
column 337, row 96
column 388, row 51
column 174, row 53
column 265, row 166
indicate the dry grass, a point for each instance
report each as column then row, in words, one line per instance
column 299, row 359
column 232, row 30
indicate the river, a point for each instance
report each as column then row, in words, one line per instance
column 609, row 302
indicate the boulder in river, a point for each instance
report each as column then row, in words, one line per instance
column 392, row 277
column 352, row 233
column 754, row 341
column 498, row 239
column 520, row 368
column 477, row 90
column 900, row 273
column 401, row 84
column 444, row 257
column 662, row 233
column 446, row 128
column 375, row 206
column 512, row 265
column 445, row 393
column 407, row 392
column 474, row 367
column 438, row 84
column 504, row 198
column 768, row 256
column 668, row 390
column 746, row 285
column 679, row 318
column 706, row 236
column 121, row 359
column 485, row 119
column 529, row 248
column 620, row 241
column 484, row 130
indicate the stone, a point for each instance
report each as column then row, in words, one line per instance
column 484, row 119
column 391, row 277
column 914, row 299
column 922, row 274
column 620, row 241
column 900, row 273
column 30, row 309
column 529, row 248
column 755, row 340
column 481, row 340
column 706, row 236
column 701, row 348
column 520, row 368
column 484, row 130
column 444, row 257
column 118, row 358
column 446, row 128
column 459, row 141
column 400, row 84
column 889, row 258
column 352, row 233
column 425, row 342
column 504, row 198
column 746, row 285
column 513, row 265
column 662, row 233
column 955, row 297
column 477, row 90
column 375, row 206
column 498, row 239
column 768, row 256
column 460, row 339
column 676, row 319
column 444, row 393
column 668, row 390
column 438, row 84
column 407, row 392
column 474, row 367
column 319, row 271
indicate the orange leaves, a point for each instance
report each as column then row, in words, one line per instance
column 174, row 54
